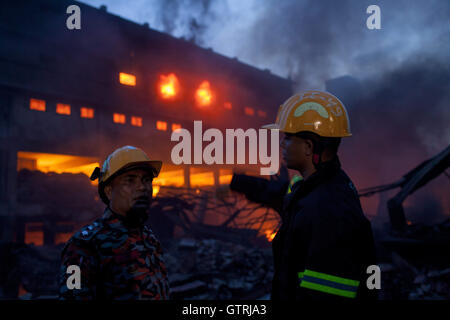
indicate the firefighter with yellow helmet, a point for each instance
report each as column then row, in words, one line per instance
column 324, row 244
column 117, row 256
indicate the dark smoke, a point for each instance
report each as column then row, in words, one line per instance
column 399, row 120
column 188, row 19
column 191, row 16
column 318, row 40
column 424, row 208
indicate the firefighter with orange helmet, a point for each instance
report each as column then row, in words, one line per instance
column 117, row 255
column 324, row 244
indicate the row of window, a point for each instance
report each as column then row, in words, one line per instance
column 120, row 118
column 61, row 108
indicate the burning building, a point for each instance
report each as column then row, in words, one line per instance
column 70, row 97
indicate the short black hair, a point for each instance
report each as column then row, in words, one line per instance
column 330, row 144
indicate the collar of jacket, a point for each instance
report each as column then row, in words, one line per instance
column 325, row 171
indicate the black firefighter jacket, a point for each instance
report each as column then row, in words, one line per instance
column 325, row 243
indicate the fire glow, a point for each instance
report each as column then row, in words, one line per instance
column 127, row 79
column 169, row 86
column 270, row 235
column 59, row 163
column 203, row 95
column 36, row 104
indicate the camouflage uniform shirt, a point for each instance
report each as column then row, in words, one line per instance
column 115, row 262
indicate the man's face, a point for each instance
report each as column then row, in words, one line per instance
column 296, row 151
column 130, row 190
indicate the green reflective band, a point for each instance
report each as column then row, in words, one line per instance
column 293, row 181
column 329, row 277
column 329, row 284
column 326, row 289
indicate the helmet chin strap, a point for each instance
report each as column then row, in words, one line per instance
column 317, row 154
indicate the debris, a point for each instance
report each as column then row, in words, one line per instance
column 187, row 244
column 188, row 289
column 402, row 263
column 228, row 270
column 386, row 267
column 434, row 274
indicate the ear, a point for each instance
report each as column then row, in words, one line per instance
column 309, row 147
column 108, row 191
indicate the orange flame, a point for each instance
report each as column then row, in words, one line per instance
column 155, row 190
column 169, row 85
column 173, row 178
column 270, row 235
column 203, row 95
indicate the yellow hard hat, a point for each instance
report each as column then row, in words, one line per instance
column 124, row 158
column 315, row 111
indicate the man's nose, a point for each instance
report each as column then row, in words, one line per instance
column 141, row 185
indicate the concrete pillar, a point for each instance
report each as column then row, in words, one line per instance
column 187, row 177
column 8, row 192
column 8, row 167
column 216, row 177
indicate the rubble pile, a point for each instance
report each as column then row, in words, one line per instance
column 214, row 269
column 436, row 232
column 39, row 268
column 434, row 284
column 31, row 272
column 400, row 280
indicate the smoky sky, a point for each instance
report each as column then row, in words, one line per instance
column 309, row 41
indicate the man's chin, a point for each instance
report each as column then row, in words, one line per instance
column 142, row 203
column 289, row 165
column 141, row 206
column 138, row 214
column 293, row 166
